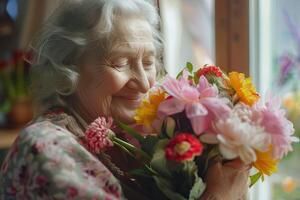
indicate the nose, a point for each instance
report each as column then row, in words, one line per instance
column 140, row 79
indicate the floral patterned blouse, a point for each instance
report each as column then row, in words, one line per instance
column 47, row 161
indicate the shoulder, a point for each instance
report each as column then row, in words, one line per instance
column 46, row 132
column 39, row 142
column 49, row 157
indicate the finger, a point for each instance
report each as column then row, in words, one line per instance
column 236, row 164
column 214, row 170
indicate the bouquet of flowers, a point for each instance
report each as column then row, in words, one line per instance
column 199, row 116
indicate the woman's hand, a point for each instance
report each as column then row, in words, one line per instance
column 227, row 181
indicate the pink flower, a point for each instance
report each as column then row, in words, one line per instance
column 200, row 103
column 272, row 117
column 98, row 134
column 239, row 136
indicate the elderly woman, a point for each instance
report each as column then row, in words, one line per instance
column 92, row 58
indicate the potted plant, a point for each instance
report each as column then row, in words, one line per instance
column 15, row 102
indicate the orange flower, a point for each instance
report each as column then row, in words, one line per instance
column 265, row 163
column 292, row 103
column 147, row 112
column 244, row 88
column 289, row 184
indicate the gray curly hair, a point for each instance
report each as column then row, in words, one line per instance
column 70, row 31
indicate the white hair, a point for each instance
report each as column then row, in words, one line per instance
column 73, row 28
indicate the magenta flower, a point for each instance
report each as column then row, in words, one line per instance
column 272, row 117
column 200, row 103
column 98, row 134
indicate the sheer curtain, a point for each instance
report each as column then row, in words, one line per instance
column 34, row 12
column 188, row 31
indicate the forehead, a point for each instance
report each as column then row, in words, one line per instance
column 133, row 35
column 133, row 48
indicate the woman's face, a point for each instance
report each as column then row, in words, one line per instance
column 115, row 86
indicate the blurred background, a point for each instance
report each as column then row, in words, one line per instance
column 258, row 37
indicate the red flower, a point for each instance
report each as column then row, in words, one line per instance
column 183, row 147
column 41, row 180
column 18, row 55
column 98, row 134
column 3, row 64
column 210, row 69
column 72, row 192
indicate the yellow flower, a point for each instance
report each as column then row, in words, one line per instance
column 244, row 88
column 292, row 103
column 147, row 112
column 289, row 184
column 265, row 163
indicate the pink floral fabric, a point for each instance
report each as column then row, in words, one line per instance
column 47, row 161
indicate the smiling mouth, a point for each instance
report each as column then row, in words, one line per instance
column 135, row 100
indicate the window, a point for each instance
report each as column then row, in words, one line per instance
column 275, row 64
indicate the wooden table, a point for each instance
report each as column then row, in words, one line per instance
column 7, row 137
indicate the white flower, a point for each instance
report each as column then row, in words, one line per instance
column 238, row 136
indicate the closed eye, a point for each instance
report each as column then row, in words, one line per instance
column 121, row 64
column 148, row 63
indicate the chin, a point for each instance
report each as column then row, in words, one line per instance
column 126, row 117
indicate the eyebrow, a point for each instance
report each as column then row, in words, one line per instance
column 129, row 51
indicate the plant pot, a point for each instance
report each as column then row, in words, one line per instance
column 21, row 112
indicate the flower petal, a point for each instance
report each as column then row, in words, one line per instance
column 172, row 87
column 227, row 152
column 195, row 109
column 200, row 124
column 203, row 84
column 217, row 107
column 189, row 93
column 209, row 138
column 170, row 107
column 211, row 91
column 247, row 155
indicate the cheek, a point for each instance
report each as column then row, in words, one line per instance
column 116, row 81
column 100, row 86
column 152, row 78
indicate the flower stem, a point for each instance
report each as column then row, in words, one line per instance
column 131, row 131
column 131, row 148
column 124, row 149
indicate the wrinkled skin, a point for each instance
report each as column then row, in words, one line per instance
column 227, row 181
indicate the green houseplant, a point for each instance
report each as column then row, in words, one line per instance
column 14, row 79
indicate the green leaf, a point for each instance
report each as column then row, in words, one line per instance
column 149, row 143
column 179, row 74
column 262, row 178
column 5, row 107
column 190, row 167
column 197, row 189
column 124, row 149
column 196, row 78
column 131, row 131
column 170, row 126
column 159, row 162
column 142, row 172
column 254, row 178
column 189, row 67
column 131, row 148
column 166, row 187
column 175, row 166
